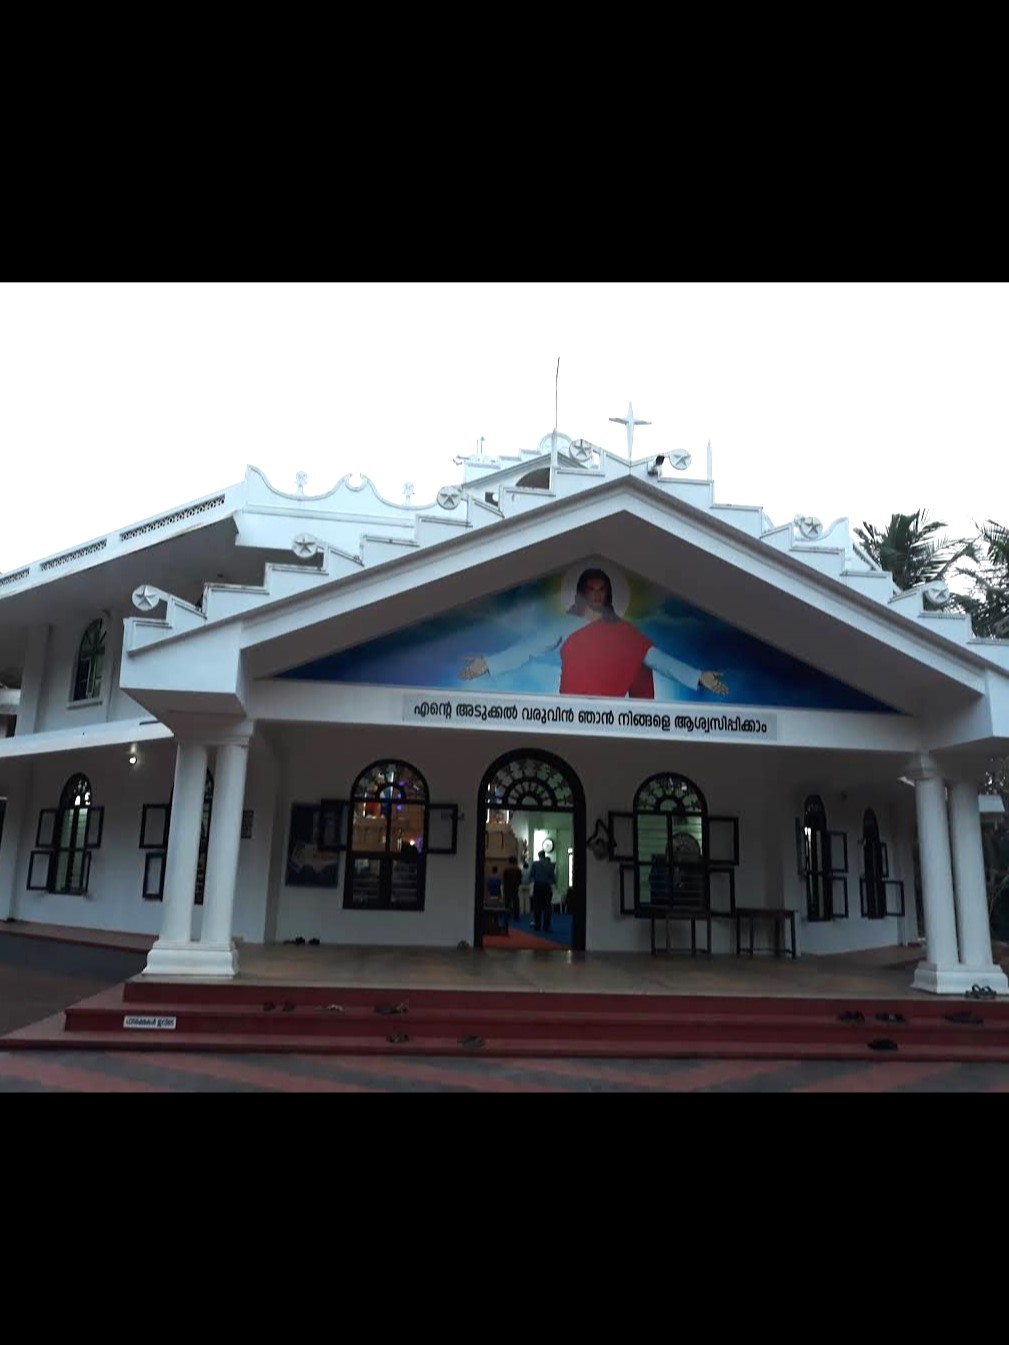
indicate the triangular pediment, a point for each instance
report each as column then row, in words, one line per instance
column 558, row 634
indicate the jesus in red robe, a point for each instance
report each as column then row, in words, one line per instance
column 601, row 654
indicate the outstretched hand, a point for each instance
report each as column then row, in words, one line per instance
column 474, row 667
column 712, row 681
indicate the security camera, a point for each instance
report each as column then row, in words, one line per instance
column 655, row 466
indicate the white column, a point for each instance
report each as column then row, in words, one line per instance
column 222, row 854
column 180, row 863
column 16, row 841
column 941, row 972
column 936, row 870
column 971, row 897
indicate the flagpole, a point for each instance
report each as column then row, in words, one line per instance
column 553, row 437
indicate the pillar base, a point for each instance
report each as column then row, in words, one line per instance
column 956, row 979
column 186, row 958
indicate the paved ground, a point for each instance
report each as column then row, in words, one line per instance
column 39, row 977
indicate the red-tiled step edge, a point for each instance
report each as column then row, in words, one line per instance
column 519, row 1024
column 145, row 990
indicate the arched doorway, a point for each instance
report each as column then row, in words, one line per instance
column 534, row 794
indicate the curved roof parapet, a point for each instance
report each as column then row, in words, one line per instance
column 349, row 485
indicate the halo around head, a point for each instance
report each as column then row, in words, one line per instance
column 618, row 583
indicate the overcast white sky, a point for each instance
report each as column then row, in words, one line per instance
column 120, row 401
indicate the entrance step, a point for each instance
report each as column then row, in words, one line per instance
column 149, row 1015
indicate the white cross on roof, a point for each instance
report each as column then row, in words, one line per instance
column 630, row 422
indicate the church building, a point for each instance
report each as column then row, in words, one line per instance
column 266, row 717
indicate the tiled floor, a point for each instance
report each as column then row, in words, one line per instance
column 883, row 972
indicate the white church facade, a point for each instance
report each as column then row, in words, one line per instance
column 264, row 717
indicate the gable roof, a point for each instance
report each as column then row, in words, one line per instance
column 307, row 575
column 766, row 591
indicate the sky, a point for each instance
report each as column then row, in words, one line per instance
column 120, row 401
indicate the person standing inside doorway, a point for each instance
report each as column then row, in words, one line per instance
column 511, row 880
column 543, row 891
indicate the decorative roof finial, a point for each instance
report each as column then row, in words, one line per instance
column 300, row 479
column 408, row 491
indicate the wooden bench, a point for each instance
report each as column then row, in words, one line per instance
column 778, row 915
column 667, row 914
column 495, row 917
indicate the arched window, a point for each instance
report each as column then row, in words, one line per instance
column 816, row 840
column 68, row 867
column 527, row 780
column 388, row 839
column 671, row 842
column 90, row 663
column 64, row 840
column 874, row 867
column 201, row 857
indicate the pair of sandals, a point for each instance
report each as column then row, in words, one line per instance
column 299, row 940
column 853, row 1016
column 286, row 1007
column 980, row 992
column 397, row 1039
column 401, row 1007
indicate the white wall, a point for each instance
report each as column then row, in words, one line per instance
column 114, row 898
column 55, row 709
column 325, row 762
column 845, row 812
column 306, row 765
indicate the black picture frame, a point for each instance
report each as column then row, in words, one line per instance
column 154, row 875
column 45, row 832
column 154, row 822
column 307, row 864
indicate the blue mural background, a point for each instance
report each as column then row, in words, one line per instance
column 431, row 655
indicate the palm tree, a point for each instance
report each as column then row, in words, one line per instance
column 912, row 549
column 988, row 601
column 988, row 607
